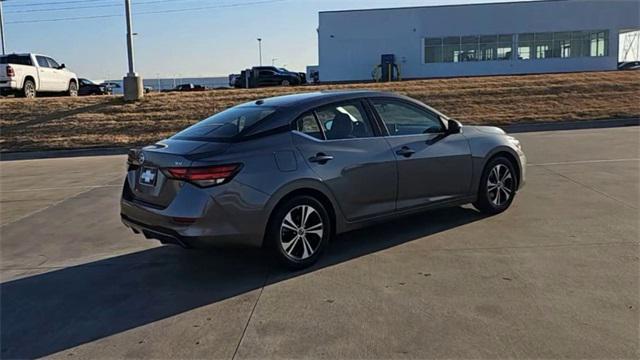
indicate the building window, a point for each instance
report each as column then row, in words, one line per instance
column 599, row 42
column 451, row 49
column 433, row 50
column 467, row 48
column 563, row 44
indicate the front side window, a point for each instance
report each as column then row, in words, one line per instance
column 42, row 61
column 225, row 125
column 405, row 119
column 53, row 63
column 344, row 121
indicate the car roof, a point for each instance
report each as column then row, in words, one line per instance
column 318, row 97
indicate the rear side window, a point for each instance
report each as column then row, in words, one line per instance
column 42, row 61
column 16, row 59
column 226, row 124
column 344, row 121
column 308, row 124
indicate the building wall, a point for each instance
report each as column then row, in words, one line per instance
column 351, row 42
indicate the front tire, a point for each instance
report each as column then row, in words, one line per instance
column 73, row 89
column 285, row 83
column 498, row 186
column 29, row 89
column 299, row 232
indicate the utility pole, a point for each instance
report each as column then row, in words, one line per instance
column 133, row 89
column 260, row 49
column 2, row 27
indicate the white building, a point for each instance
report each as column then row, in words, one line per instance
column 479, row 39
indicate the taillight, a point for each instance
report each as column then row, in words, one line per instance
column 10, row 71
column 205, row 176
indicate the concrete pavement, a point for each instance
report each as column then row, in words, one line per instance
column 555, row 276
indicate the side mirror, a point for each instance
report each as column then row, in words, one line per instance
column 453, row 126
column 62, row 66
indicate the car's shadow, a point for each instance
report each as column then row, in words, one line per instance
column 54, row 311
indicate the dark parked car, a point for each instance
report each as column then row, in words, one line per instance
column 187, row 87
column 290, row 172
column 269, row 76
column 629, row 65
column 88, row 87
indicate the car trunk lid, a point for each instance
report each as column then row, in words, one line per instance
column 150, row 182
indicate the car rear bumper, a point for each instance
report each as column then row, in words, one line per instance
column 201, row 217
column 165, row 236
column 8, row 86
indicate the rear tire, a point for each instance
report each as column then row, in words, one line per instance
column 285, row 83
column 498, row 186
column 73, row 89
column 299, row 231
column 28, row 89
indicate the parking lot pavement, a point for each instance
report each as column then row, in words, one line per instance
column 555, row 276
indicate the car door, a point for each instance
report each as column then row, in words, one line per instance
column 342, row 146
column 433, row 165
column 59, row 75
column 266, row 77
column 45, row 74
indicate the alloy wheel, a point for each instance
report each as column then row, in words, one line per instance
column 29, row 90
column 500, row 185
column 301, row 232
column 73, row 89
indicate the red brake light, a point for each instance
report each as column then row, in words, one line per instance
column 205, row 176
column 10, row 71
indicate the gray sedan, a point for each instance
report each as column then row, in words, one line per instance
column 290, row 172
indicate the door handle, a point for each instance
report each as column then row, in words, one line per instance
column 321, row 158
column 406, row 151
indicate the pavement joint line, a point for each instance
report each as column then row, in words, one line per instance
column 541, row 246
column 49, row 206
column 584, row 162
column 266, row 278
column 590, row 187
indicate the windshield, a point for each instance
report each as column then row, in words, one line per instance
column 225, row 125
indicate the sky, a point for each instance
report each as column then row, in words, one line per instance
column 205, row 38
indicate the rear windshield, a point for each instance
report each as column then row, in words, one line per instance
column 225, row 125
column 16, row 59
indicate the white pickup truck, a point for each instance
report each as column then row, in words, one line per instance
column 26, row 75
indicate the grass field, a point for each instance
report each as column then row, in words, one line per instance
column 64, row 123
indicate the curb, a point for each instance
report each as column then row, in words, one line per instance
column 571, row 125
column 50, row 154
column 512, row 129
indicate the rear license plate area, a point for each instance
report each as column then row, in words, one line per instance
column 148, row 176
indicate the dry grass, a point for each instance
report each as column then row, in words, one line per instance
column 62, row 123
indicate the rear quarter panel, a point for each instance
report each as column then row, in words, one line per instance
column 271, row 166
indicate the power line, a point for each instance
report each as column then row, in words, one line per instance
column 90, row 6
column 52, row 3
column 168, row 11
